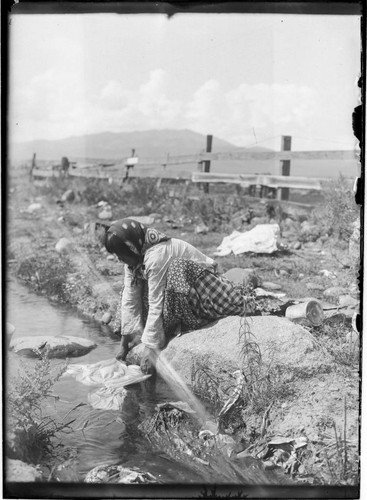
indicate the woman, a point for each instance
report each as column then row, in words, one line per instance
column 184, row 290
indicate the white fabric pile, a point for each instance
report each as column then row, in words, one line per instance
column 112, row 375
column 263, row 238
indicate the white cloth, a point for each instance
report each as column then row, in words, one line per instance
column 263, row 238
column 112, row 376
column 156, row 261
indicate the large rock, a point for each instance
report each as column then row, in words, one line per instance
column 219, row 345
column 58, row 347
column 20, row 472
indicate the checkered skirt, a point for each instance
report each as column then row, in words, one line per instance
column 194, row 296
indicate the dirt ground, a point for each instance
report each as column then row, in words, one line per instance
column 323, row 407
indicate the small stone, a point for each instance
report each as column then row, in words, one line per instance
column 155, row 216
column 105, row 215
column 106, row 318
column 148, row 220
column 69, row 195
column 63, row 245
column 269, row 465
column 297, row 245
column 110, row 257
column 201, row 229
column 34, row 207
column 268, row 285
column 283, row 272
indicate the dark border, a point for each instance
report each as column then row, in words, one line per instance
column 309, row 7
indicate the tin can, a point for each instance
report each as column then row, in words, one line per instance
column 311, row 311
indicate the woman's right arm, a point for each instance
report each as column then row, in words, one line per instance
column 131, row 310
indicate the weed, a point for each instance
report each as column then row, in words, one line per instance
column 31, row 434
column 340, row 454
column 331, row 337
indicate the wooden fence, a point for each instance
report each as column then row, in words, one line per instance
column 172, row 167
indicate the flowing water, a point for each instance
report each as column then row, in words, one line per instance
column 99, row 436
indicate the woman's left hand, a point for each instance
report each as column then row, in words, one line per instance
column 148, row 361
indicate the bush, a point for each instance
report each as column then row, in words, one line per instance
column 214, row 211
column 47, row 275
column 31, row 435
column 336, row 216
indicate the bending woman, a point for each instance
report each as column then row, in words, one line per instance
column 181, row 284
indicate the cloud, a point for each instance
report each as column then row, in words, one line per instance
column 55, row 104
column 237, row 113
column 114, row 96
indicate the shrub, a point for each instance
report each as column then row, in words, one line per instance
column 46, row 275
column 214, row 211
column 336, row 216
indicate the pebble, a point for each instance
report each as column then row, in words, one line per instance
column 63, row 245
column 148, row 220
column 105, row 215
column 33, row 207
column 69, row 195
column 283, row 272
column 297, row 245
column 201, row 229
column 268, row 285
column 106, row 318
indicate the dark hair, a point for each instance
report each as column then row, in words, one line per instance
column 115, row 245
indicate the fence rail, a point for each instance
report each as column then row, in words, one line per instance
column 172, row 167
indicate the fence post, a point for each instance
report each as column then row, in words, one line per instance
column 33, row 165
column 285, row 166
column 209, row 143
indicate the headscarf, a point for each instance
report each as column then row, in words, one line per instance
column 137, row 237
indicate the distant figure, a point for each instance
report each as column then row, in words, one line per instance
column 65, row 164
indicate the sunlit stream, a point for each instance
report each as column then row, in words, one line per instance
column 99, row 436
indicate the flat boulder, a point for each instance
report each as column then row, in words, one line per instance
column 62, row 346
column 218, row 345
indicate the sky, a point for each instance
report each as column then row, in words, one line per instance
column 246, row 78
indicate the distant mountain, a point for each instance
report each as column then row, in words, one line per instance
column 115, row 145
